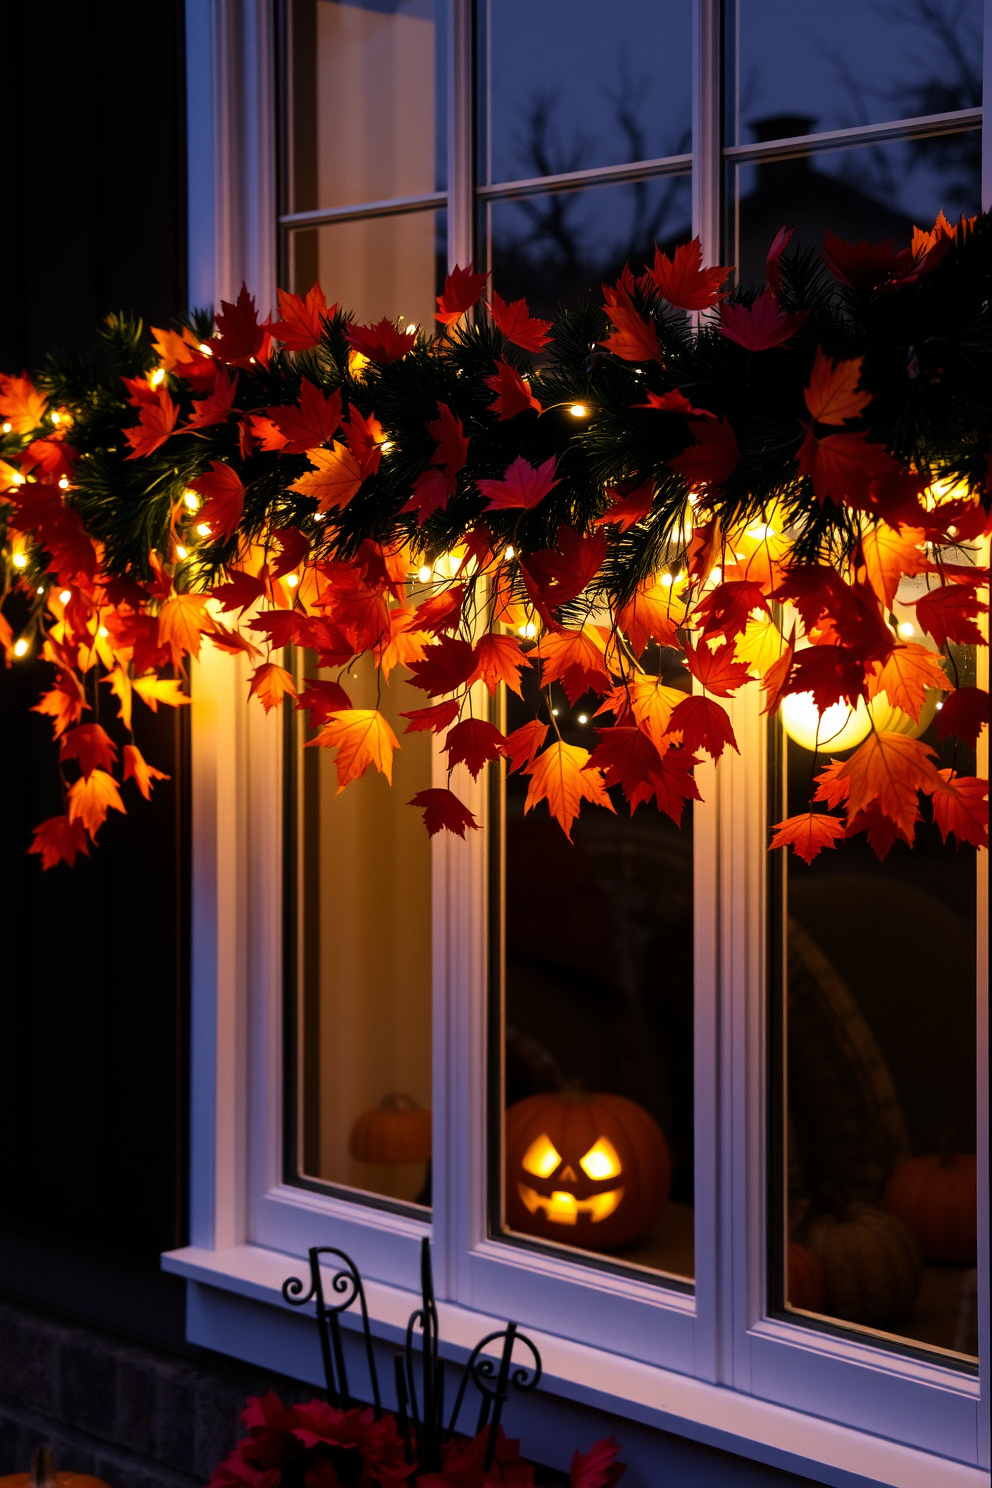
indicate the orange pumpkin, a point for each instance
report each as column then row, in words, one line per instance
column 397, row 1131
column 43, row 1475
column 937, row 1197
column 806, row 1283
column 586, row 1170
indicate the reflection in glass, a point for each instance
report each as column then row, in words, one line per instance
column 557, row 250
column 875, row 192
column 392, row 266
column 855, row 62
column 597, row 1019
column 364, row 1072
column 365, row 121
column 570, row 86
column 879, row 1094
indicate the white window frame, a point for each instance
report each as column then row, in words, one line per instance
column 711, row 1366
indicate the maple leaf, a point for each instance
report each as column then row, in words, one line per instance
column 558, row 575
column 573, row 658
column 322, row 698
column 362, row 738
column 452, row 444
column 703, row 724
column 446, row 666
column 64, row 703
column 462, row 289
column 156, row 422
column 381, row 342
column 499, row 658
column 224, row 498
column 518, row 325
column 474, row 742
column 58, row 840
column 727, row 608
column 154, row 690
column 559, row 776
column 597, row 1468
column 301, row 321
column 52, row 460
column 241, row 341
column 865, row 265
column 181, row 622
column 959, row 806
column 889, row 769
column 674, row 401
column 232, row 641
column 441, row 611
column 716, row 670
column 313, row 420
column 365, row 438
column 523, row 745
column 773, row 260
column 905, row 676
column 713, row 455
column 359, row 609
column 137, row 768
column 241, row 590
column 635, row 339
column 628, row 509
column 964, row 714
column 270, row 684
column 831, row 674
column 761, row 326
column 523, row 485
column 403, row 643
column 432, row 489
column 91, row 746
column 682, row 280
column 656, row 610
column 513, row 394
column 627, row 757
column 443, row 812
column 889, row 554
column 948, row 614
column 120, row 685
column 674, row 783
column 832, row 396
column 842, row 467
column 281, row 627
column 808, row 834
column 21, row 405
column 268, row 434
column 335, row 479
column 432, row 719
column 91, row 797
column 215, row 408
column 650, row 702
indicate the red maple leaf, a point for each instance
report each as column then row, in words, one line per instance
column 442, row 611
column 432, row 489
column 522, row 486
column 635, row 339
column 242, row 342
column 713, row 455
column 882, row 832
column 452, row 442
column 703, row 724
column 156, row 422
column 432, row 719
column 474, row 742
column 865, row 265
column 312, row 421
column 301, row 322
column 628, row 757
column 224, row 499
column 628, row 507
column 364, row 438
column 462, row 289
column 830, row 673
column 51, row 459
column 58, row 840
column 716, row 670
column 322, row 698
column 381, row 342
column 964, row 714
column 558, row 575
column 572, row 658
column 241, row 589
column 216, row 407
column 773, row 271
column 597, row 1468
column 843, row 467
column 518, row 325
column 682, row 280
column 280, row 627
column 674, row 783
column 499, row 658
column 360, row 610
column 293, row 546
column 513, row 395
column 446, row 666
column 808, row 834
column 674, row 402
column 443, row 812
column 727, row 608
column 762, row 325
column 524, row 744
column 959, row 806
column 948, row 614
column 332, row 646
column 91, row 746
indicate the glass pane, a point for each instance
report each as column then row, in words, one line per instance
column 877, row 192
column 364, row 1057
column 558, row 250
column 576, row 83
column 803, row 68
column 597, row 1017
column 879, row 1047
column 365, row 115
column 392, row 266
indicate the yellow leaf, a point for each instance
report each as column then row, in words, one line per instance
column 363, row 738
column 761, row 644
column 181, row 622
column 558, row 777
column 336, row 479
column 270, row 684
column 91, row 797
column 154, row 690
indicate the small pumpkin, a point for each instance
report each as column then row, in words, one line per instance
column 43, row 1475
column 871, row 1261
column 937, row 1197
column 806, row 1283
column 586, row 1170
column 397, row 1131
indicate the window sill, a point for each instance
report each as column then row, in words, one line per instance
column 657, row 1398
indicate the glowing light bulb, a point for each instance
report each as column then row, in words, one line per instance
column 716, row 574
column 65, row 596
column 63, row 483
column 20, row 560
column 103, row 632
column 292, row 580
column 424, row 573
column 56, row 418
column 906, row 628
column 251, row 361
column 157, row 377
column 7, row 428
column 203, row 529
column 530, row 630
column 583, row 718
column 40, row 589
column 837, row 727
column 191, row 500
column 207, row 350
column 21, row 647
column 509, row 553
column 554, row 712
column 387, row 445
column 181, row 552
column 666, row 581
column 578, row 410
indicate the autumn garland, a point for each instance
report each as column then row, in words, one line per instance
column 748, row 484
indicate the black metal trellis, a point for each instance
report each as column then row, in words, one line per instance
column 420, row 1413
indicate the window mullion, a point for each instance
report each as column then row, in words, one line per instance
column 461, row 133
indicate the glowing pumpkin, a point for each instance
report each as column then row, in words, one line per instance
column 586, row 1170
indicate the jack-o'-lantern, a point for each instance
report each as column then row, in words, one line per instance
column 586, row 1170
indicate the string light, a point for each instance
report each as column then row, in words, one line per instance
column 423, row 573
column 203, row 529
column 292, row 580
column 583, row 718
column 40, row 589
column 20, row 560
column 56, row 418
column 191, row 500
column 157, row 377
column 906, row 629
column 63, row 483
column 716, row 574
column 666, row 581
column 530, row 630
column 387, row 445
column 205, row 349
column 65, row 596
column 181, row 552
column 21, row 647
column 510, row 553
column 103, row 632
column 578, row 410
column 7, row 428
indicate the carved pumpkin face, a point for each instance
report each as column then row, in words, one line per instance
column 585, row 1170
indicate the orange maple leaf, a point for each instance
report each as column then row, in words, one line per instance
column 337, row 477
column 683, row 281
column 499, row 658
column 21, row 405
column 181, row 623
column 905, row 675
column 300, row 325
column 832, row 396
column 403, row 644
column 655, row 613
column 58, row 840
column 64, row 704
column 959, row 806
column 559, row 776
column 808, row 834
column 363, row 737
column 889, row 769
column 91, row 797
column 270, row 684
column 153, row 690
column 635, row 339
column 888, row 554
column 137, row 768
column 120, row 684
column 648, row 700
column 573, row 658
column 156, row 422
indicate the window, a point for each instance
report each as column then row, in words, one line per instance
column 708, row 994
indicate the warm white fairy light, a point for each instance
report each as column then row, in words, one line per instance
column 157, row 377
column 578, row 410
column 292, row 580
column 906, row 629
column 181, row 552
column 424, row 573
column 65, row 596
column 21, row 647
column 203, row 529
column 7, row 427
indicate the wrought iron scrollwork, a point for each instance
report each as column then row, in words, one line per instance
column 493, row 1379
column 346, row 1283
